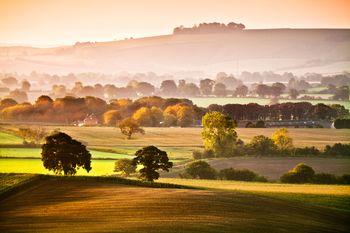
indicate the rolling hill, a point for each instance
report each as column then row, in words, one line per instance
column 294, row 50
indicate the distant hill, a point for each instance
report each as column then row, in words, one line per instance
column 279, row 50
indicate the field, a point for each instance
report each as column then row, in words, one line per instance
column 70, row 205
column 107, row 144
column 205, row 102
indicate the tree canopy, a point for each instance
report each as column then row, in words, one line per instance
column 61, row 153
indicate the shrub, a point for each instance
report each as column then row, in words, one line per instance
column 342, row 123
column 345, row 179
column 337, row 149
column 203, row 155
column 325, row 178
column 241, row 175
column 200, row 169
column 124, row 166
column 307, row 151
column 299, row 174
column 262, row 145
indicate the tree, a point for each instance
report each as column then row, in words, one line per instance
column 124, row 166
column 230, row 82
column 168, row 88
column 219, row 133
column 7, row 102
column 241, row 91
column 129, row 127
column 293, row 93
column 152, row 159
column 200, row 170
column 61, row 153
column 206, row 86
column 342, row 93
column 34, row 136
column 111, row 117
column 301, row 173
column 25, row 86
column 220, row 90
column 262, row 145
column 9, row 82
column 144, row 88
column 143, row 116
column 282, row 140
column 18, row 95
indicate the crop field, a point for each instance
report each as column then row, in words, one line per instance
column 91, row 206
column 110, row 137
column 205, row 102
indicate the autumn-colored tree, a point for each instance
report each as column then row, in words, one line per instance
column 143, row 116
column 7, row 102
column 129, row 126
column 111, row 117
column 282, row 140
column 219, row 133
column 25, row 86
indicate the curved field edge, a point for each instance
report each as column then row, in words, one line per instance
column 85, row 204
column 328, row 196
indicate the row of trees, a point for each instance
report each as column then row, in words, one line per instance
column 220, row 139
column 157, row 111
column 301, row 173
column 210, row 28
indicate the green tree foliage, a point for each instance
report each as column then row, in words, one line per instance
column 241, row 175
column 200, row 170
column 262, row 145
column 124, row 166
column 129, row 126
column 299, row 174
column 152, row 159
column 61, row 153
column 338, row 149
column 219, row 133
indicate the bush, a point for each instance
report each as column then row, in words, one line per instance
column 241, row 175
column 325, row 178
column 342, row 124
column 203, row 155
column 345, row 179
column 200, row 170
column 262, row 145
column 307, row 151
column 299, row 174
column 337, row 149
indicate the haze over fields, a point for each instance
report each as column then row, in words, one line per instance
column 325, row 51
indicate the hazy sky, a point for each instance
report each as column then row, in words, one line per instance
column 57, row 22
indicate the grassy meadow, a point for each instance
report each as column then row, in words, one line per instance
column 107, row 144
column 205, row 102
column 95, row 206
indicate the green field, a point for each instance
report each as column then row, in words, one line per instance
column 9, row 139
column 75, row 205
column 205, row 102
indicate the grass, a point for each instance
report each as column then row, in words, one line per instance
column 9, row 139
column 36, row 153
column 332, row 196
column 8, row 180
column 187, row 139
column 89, row 205
column 205, row 102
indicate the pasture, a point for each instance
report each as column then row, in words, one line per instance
column 205, row 102
column 90, row 206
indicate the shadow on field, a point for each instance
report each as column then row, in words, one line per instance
column 73, row 205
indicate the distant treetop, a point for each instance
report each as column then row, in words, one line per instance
column 210, row 28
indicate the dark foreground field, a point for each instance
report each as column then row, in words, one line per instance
column 71, row 205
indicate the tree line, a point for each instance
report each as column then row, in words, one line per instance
column 157, row 111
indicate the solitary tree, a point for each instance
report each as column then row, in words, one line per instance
column 282, row 140
column 200, row 169
column 152, row 159
column 129, row 126
column 219, row 133
column 61, row 153
column 124, row 166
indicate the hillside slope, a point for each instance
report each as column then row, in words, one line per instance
column 296, row 50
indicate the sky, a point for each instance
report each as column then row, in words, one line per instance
column 45, row 23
